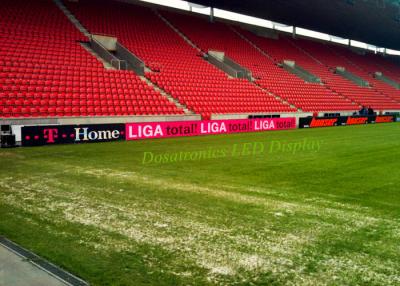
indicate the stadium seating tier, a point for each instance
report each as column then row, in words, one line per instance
column 46, row 72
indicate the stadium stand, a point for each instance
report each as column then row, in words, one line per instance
column 44, row 71
column 370, row 64
column 313, row 57
column 328, row 55
column 307, row 96
column 178, row 67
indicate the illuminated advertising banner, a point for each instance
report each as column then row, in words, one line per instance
column 69, row 134
column 151, row 130
column 314, row 122
column 384, row 119
column 356, row 120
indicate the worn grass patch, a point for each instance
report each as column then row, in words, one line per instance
column 326, row 216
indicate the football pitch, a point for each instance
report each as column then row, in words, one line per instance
column 297, row 207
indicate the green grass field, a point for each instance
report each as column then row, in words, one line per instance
column 327, row 215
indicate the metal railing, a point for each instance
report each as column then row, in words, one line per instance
column 130, row 59
column 244, row 73
column 223, row 66
column 106, row 55
column 358, row 80
column 300, row 72
column 117, row 63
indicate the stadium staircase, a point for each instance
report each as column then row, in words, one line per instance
column 72, row 18
column 177, row 67
column 366, row 67
column 45, row 72
column 114, row 53
column 233, row 67
column 250, row 42
column 330, row 60
column 86, row 45
column 170, row 98
column 105, row 63
column 322, row 94
column 351, row 77
column 229, row 66
column 371, row 64
column 187, row 40
column 295, row 69
column 384, row 78
column 308, row 97
column 284, row 101
column 309, row 55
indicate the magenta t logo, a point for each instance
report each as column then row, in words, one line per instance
column 50, row 134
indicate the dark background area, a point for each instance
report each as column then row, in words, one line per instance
column 374, row 22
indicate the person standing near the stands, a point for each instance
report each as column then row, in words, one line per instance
column 370, row 111
column 363, row 111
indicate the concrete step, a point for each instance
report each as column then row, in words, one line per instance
column 340, row 95
column 277, row 97
column 72, row 18
column 177, row 31
column 224, row 63
column 382, row 77
column 167, row 95
column 294, row 68
column 106, row 65
column 269, row 57
column 305, row 52
column 352, row 77
column 251, row 43
column 346, row 59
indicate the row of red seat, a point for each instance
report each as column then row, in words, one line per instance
column 44, row 71
column 369, row 65
column 330, row 57
column 61, row 111
column 221, row 37
column 181, row 71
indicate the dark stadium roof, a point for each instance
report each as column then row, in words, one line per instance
column 374, row 22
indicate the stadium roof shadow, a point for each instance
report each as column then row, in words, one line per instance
column 370, row 21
